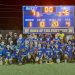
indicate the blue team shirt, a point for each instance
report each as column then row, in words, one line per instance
column 56, row 52
column 69, row 49
column 8, row 53
column 49, row 52
column 56, row 40
column 1, row 51
column 40, row 52
column 21, row 40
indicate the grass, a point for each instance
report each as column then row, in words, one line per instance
column 38, row 69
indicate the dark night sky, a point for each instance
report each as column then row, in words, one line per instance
column 11, row 11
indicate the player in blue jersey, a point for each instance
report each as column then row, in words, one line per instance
column 62, row 47
column 30, row 53
column 26, row 42
column 41, row 38
column 40, row 52
column 12, row 48
column 62, row 44
column 56, row 53
column 14, row 57
column 11, row 45
column 36, row 44
column 49, row 52
column 20, row 39
column 18, row 48
column 56, row 39
column 8, row 53
column 44, row 44
column 24, row 53
column 52, row 44
column 69, row 51
column 2, row 53
column 74, row 52
column 48, row 38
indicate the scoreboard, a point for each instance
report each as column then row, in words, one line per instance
column 48, row 19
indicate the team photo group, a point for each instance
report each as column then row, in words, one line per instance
column 42, row 48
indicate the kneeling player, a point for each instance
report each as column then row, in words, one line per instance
column 24, row 55
column 8, row 55
column 31, row 54
column 40, row 53
column 49, row 53
column 68, row 52
column 56, row 54
column 1, row 50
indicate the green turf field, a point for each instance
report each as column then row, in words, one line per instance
column 38, row 69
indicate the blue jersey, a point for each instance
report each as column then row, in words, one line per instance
column 25, row 51
column 18, row 48
column 20, row 40
column 1, row 50
column 56, row 40
column 8, row 53
column 15, row 54
column 27, row 40
column 56, row 52
column 40, row 52
column 31, row 50
column 62, row 45
column 49, row 52
column 59, row 45
column 44, row 46
column 16, row 51
column 69, row 49
column 52, row 46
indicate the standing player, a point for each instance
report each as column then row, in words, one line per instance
column 48, row 38
column 41, row 38
column 61, row 35
column 26, row 42
column 21, row 39
column 52, row 44
column 35, row 40
column 56, row 39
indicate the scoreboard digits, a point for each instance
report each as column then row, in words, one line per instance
column 29, row 24
column 42, row 24
column 66, row 12
column 68, row 23
column 55, row 24
column 48, row 9
column 34, row 13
